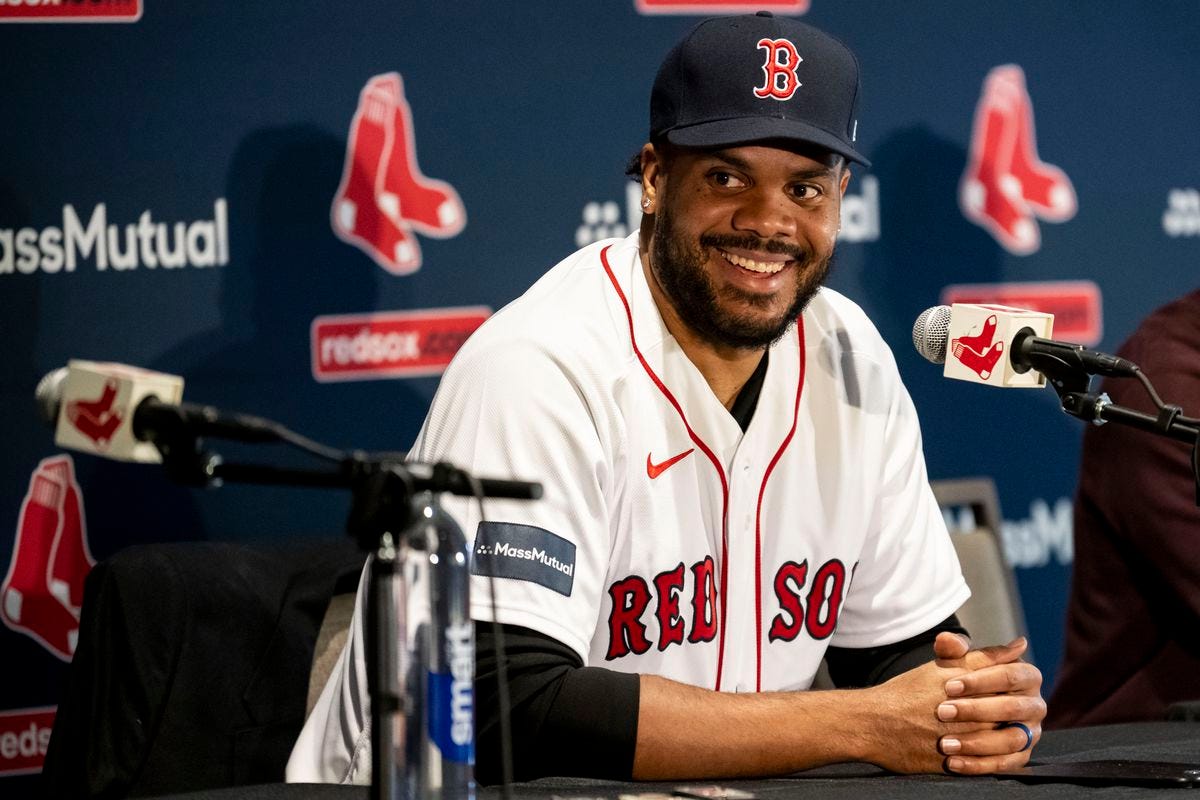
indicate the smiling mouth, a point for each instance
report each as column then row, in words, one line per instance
column 761, row 267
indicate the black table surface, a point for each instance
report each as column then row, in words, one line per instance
column 1156, row 741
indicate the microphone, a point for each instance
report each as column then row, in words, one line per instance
column 990, row 344
column 977, row 336
column 125, row 413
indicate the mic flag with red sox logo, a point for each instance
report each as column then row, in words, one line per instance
column 980, row 338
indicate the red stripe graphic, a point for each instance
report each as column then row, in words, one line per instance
column 720, row 6
column 1076, row 305
column 704, row 448
column 72, row 11
column 24, row 735
column 404, row 344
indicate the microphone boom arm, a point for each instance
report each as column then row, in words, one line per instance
column 187, row 462
column 1071, row 380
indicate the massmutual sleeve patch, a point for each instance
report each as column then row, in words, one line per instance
column 526, row 553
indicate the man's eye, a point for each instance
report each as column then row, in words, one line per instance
column 805, row 191
column 725, row 179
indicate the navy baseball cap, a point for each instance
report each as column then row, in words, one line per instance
column 736, row 80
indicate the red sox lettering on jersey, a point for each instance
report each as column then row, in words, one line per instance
column 814, row 611
column 779, row 69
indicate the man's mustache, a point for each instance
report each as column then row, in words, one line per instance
column 728, row 241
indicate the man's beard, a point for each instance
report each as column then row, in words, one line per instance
column 680, row 271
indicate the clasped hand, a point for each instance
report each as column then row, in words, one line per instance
column 998, row 703
column 957, row 713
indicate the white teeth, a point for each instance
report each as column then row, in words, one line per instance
column 768, row 267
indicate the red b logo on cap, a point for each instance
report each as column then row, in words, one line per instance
column 779, row 70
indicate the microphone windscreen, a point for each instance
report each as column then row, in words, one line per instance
column 48, row 394
column 930, row 333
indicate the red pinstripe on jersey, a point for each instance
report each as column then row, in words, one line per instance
column 758, row 631
column 704, row 448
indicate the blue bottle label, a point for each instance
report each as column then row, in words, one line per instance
column 452, row 698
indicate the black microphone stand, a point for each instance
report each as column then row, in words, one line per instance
column 1072, row 383
column 394, row 516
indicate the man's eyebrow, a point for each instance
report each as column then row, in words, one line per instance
column 739, row 163
column 730, row 159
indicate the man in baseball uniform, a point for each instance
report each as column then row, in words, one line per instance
column 734, row 483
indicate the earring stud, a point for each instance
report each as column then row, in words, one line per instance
column 645, row 202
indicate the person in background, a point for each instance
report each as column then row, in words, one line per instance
column 1133, row 615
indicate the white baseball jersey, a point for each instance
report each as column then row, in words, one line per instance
column 668, row 541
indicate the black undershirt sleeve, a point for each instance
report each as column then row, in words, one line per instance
column 870, row 666
column 567, row 719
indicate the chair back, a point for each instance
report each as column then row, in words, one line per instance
column 993, row 614
column 193, row 666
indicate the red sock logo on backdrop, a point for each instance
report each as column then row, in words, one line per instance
column 1006, row 185
column 42, row 594
column 383, row 197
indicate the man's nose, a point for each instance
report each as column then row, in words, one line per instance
column 767, row 214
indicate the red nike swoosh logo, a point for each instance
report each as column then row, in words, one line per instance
column 654, row 470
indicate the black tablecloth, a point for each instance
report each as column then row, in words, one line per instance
column 1158, row 741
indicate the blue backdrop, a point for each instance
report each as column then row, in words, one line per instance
column 235, row 119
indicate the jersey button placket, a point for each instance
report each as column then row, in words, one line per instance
column 740, row 646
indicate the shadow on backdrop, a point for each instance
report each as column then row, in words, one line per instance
column 286, row 268
column 928, row 244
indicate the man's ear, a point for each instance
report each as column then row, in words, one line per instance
column 845, row 177
column 653, row 162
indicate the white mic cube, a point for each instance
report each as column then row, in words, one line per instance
column 980, row 337
column 98, row 404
